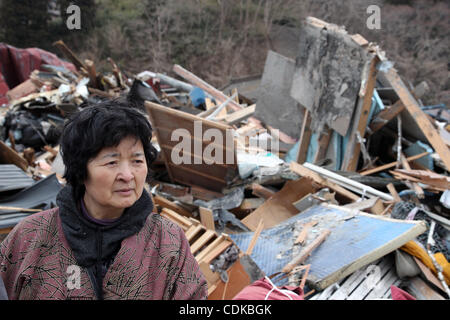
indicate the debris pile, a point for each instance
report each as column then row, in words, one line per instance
column 334, row 179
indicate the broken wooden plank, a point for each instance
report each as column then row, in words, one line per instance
column 8, row 155
column 306, row 252
column 419, row 191
column 259, row 228
column 305, row 137
column 419, row 116
column 305, row 172
column 392, row 164
column 239, row 115
column 70, row 55
column 304, row 233
column 389, row 113
column 207, row 219
column 200, row 242
column 260, row 191
column 281, row 203
column 393, row 192
column 361, row 117
column 163, row 202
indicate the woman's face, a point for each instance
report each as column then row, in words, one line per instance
column 116, row 178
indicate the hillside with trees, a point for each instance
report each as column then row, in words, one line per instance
column 220, row 40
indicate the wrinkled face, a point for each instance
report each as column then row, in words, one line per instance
column 116, row 178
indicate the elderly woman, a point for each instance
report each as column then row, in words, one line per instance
column 103, row 240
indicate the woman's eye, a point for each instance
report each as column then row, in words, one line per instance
column 138, row 161
column 111, row 163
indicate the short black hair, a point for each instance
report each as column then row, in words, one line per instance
column 99, row 126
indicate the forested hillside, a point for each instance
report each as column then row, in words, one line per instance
column 220, row 40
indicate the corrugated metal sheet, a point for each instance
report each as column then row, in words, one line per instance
column 13, row 178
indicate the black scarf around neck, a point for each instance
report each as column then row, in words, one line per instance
column 91, row 242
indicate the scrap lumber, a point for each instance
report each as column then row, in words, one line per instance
column 70, row 55
column 305, row 137
column 416, row 187
column 429, row 178
column 306, row 252
column 239, row 115
column 391, row 165
column 163, row 202
column 207, row 219
column 386, row 115
column 393, row 192
column 422, row 120
column 260, row 191
column 281, row 203
column 192, row 78
column 8, row 155
column 362, row 112
column 374, row 204
column 25, row 88
column 304, row 233
column 305, row 172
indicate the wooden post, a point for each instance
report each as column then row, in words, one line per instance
column 362, row 112
column 305, row 136
column 419, row 116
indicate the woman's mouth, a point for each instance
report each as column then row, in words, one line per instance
column 125, row 192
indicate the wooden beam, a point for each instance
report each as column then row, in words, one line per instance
column 419, row 116
column 305, row 136
column 207, row 219
column 262, row 192
column 305, row 172
column 386, row 115
column 70, row 55
column 306, row 251
column 393, row 192
column 255, row 237
column 304, row 233
column 239, row 115
column 323, row 143
column 362, row 112
column 163, row 202
column 8, row 155
column 392, row 164
column 419, row 191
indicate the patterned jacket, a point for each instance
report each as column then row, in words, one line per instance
column 36, row 262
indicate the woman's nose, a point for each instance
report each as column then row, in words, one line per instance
column 125, row 174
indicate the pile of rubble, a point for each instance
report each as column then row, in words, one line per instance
column 331, row 176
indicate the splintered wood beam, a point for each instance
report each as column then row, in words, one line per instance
column 70, row 55
column 417, row 188
column 392, row 164
column 351, row 157
column 207, row 218
column 386, row 115
column 192, row 78
column 419, row 116
column 305, row 137
column 305, row 172
column 306, row 252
